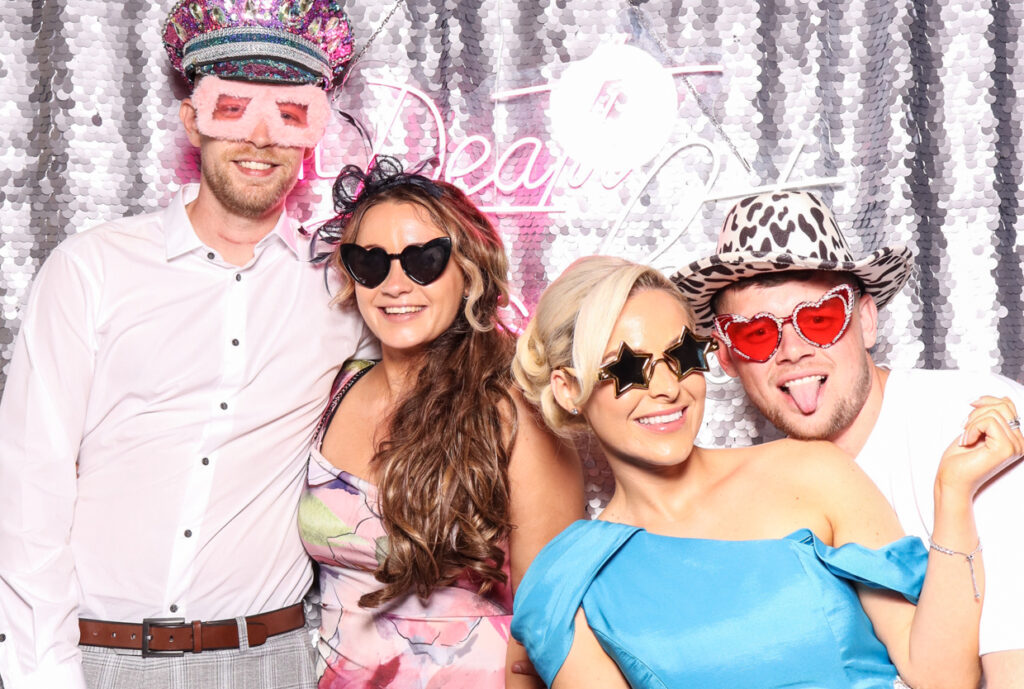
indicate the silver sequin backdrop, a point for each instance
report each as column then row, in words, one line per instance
column 905, row 115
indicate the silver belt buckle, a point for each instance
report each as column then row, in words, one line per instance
column 161, row 623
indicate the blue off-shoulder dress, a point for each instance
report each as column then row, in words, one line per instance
column 683, row 612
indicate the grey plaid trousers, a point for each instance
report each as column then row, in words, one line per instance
column 285, row 661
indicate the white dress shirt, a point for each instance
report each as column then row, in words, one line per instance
column 153, row 434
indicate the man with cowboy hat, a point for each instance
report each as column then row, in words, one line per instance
column 166, row 379
column 795, row 315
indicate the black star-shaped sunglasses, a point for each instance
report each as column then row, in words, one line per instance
column 423, row 263
column 634, row 369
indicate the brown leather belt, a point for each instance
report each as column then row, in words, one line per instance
column 173, row 636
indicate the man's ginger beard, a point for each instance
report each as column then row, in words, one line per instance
column 844, row 414
column 249, row 201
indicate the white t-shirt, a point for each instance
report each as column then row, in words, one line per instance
column 922, row 413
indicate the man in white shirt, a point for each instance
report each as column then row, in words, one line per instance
column 795, row 315
column 167, row 376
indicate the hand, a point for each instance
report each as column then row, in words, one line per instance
column 987, row 446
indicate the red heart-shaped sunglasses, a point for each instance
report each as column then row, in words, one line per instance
column 820, row 323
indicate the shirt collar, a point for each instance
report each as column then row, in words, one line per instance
column 181, row 238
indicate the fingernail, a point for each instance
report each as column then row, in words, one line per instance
column 963, row 438
column 517, row 667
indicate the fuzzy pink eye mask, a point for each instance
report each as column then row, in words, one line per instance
column 295, row 116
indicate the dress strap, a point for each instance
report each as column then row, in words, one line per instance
column 351, row 371
column 553, row 588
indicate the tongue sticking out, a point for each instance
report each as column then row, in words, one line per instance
column 805, row 393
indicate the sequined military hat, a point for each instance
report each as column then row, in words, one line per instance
column 780, row 231
column 270, row 41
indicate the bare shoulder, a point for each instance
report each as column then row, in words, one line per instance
column 546, row 483
column 538, row 453
column 798, row 456
column 830, row 479
column 816, row 485
column 809, row 467
column 530, row 430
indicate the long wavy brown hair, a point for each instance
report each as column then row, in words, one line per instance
column 442, row 469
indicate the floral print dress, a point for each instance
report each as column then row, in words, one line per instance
column 457, row 638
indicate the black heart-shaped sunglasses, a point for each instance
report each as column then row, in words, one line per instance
column 423, row 263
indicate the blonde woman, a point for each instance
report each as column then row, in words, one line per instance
column 779, row 565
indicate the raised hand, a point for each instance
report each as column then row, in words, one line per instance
column 990, row 442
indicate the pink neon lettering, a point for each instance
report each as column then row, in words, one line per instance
column 523, row 179
column 528, row 164
column 454, row 173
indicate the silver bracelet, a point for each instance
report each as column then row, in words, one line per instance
column 970, row 560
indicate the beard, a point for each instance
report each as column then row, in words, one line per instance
column 246, row 200
column 841, row 417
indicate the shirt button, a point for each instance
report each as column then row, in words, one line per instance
column 211, row 255
column 238, row 277
column 235, row 341
column 174, row 608
column 188, row 533
column 3, row 638
column 223, row 405
column 206, row 461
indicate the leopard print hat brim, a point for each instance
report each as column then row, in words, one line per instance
column 783, row 231
column 883, row 273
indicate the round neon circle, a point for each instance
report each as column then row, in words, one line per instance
column 615, row 109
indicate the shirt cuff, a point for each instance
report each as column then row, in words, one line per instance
column 65, row 676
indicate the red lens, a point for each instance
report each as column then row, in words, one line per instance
column 755, row 339
column 823, row 323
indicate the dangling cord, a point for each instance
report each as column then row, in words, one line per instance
column 373, row 36
column 634, row 8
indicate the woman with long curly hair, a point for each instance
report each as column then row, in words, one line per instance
column 432, row 484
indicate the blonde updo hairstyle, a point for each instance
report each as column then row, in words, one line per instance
column 571, row 326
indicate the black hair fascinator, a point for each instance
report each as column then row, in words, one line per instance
column 353, row 188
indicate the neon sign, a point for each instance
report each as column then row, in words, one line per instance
column 539, row 171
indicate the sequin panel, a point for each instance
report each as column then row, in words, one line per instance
column 905, row 117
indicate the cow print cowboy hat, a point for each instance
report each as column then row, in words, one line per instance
column 780, row 231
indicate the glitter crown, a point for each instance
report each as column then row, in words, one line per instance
column 273, row 41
